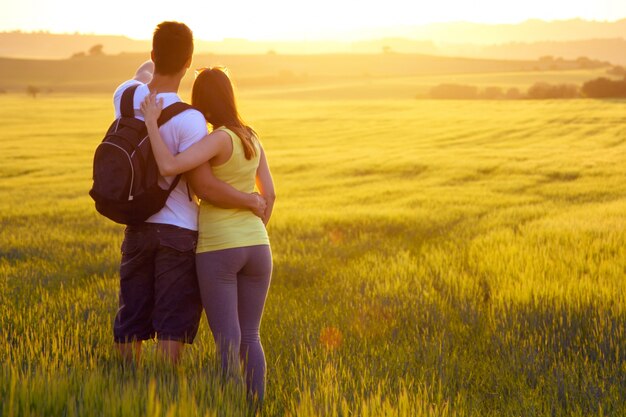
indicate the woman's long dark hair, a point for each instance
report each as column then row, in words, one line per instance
column 213, row 95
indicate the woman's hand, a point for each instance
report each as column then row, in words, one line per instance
column 151, row 108
column 265, row 184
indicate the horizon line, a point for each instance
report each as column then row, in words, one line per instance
column 323, row 39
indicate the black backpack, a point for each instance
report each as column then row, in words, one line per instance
column 125, row 173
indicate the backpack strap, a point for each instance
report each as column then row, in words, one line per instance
column 171, row 111
column 174, row 183
column 126, row 104
column 167, row 113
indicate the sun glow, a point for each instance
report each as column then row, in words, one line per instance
column 284, row 19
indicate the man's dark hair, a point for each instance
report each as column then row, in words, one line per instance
column 172, row 45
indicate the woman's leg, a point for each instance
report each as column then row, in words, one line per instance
column 253, row 282
column 217, row 278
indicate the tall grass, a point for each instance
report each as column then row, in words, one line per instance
column 431, row 259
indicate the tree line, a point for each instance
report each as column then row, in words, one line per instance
column 597, row 88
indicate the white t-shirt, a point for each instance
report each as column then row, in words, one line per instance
column 179, row 133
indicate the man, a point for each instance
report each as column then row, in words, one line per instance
column 159, row 293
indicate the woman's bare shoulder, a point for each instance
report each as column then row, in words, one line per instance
column 219, row 135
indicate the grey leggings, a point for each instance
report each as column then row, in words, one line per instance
column 234, row 284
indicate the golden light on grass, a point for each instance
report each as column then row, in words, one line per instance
column 373, row 320
column 331, row 338
column 336, row 237
column 481, row 251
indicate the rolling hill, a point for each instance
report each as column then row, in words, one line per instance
column 261, row 72
column 532, row 39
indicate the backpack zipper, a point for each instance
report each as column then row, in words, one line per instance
column 132, row 169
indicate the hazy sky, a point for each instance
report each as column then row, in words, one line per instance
column 280, row 19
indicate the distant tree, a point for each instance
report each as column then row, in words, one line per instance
column 541, row 90
column 546, row 59
column 78, row 55
column 584, row 62
column 3, row 91
column 271, row 52
column 96, row 50
column 567, row 91
column 617, row 70
column 387, row 49
column 604, row 88
column 454, row 91
column 492, row 93
column 513, row 94
column 31, row 90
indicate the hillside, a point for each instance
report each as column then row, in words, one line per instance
column 534, row 30
column 43, row 45
column 527, row 40
column 612, row 50
column 608, row 49
column 103, row 73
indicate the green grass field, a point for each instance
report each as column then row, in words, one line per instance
column 432, row 258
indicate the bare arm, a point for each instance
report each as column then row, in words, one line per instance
column 145, row 72
column 143, row 75
column 198, row 153
column 193, row 161
column 220, row 194
column 265, row 184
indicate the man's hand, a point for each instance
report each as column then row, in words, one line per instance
column 145, row 72
column 258, row 205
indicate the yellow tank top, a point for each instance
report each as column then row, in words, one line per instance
column 220, row 228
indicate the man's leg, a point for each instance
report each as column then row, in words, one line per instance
column 170, row 350
column 133, row 321
column 177, row 305
column 129, row 352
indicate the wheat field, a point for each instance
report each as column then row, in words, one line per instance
column 432, row 258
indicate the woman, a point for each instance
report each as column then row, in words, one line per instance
column 233, row 257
